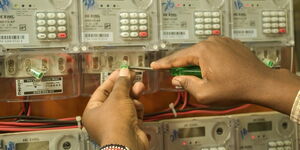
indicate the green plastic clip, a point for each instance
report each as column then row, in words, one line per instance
column 37, row 74
column 268, row 62
column 124, row 65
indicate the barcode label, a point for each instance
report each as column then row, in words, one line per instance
column 175, row 34
column 48, row 85
column 244, row 33
column 14, row 38
column 97, row 36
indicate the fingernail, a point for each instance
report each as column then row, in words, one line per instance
column 124, row 72
column 153, row 64
column 176, row 82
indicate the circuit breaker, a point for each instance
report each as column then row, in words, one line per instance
column 191, row 21
column 38, row 24
column 100, row 64
column 119, row 23
column 37, row 74
column 270, row 56
column 268, row 21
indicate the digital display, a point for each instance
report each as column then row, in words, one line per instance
column 259, row 126
column 43, row 145
column 191, row 132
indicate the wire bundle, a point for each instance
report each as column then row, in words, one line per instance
column 24, row 122
column 33, row 123
column 188, row 108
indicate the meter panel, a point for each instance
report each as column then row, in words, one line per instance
column 38, row 24
column 191, row 21
column 263, row 21
column 119, row 22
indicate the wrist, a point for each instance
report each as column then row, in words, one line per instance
column 125, row 136
column 277, row 90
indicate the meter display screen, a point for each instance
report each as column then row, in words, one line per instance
column 260, row 126
column 43, row 145
column 191, row 132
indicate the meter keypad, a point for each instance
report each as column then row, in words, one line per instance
column 214, row 148
column 134, row 25
column 51, row 26
column 280, row 145
column 207, row 23
column 274, row 22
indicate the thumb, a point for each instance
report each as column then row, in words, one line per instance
column 190, row 83
column 122, row 86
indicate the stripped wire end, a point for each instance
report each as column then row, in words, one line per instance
column 124, row 65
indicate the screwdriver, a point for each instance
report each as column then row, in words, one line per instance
column 177, row 71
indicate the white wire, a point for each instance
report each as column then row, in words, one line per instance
column 292, row 59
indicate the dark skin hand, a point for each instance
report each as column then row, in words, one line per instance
column 232, row 75
column 112, row 116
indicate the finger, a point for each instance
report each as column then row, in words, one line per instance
column 178, row 59
column 122, row 86
column 139, row 109
column 103, row 91
column 137, row 89
column 190, row 83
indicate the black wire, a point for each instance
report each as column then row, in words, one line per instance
column 53, row 126
column 190, row 109
column 46, row 121
column 25, row 117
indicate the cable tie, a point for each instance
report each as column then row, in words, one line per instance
column 172, row 107
column 78, row 119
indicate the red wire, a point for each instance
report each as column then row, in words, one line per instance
column 68, row 119
column 30, row 129
column 198, row 105
column 29, row 109
column 176, row 102
column 23, row 109
column 168, row 115
column 185, row 100
column 33, row 124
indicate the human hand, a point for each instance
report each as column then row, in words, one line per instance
column 112, row 116
column 231, row 72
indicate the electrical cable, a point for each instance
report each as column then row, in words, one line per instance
column 176, row 102
column 22, row 124
column 32, row 129
column 28, row 109
column 292, row 60
column 47, row 121
column 185, row 100
column 25, row 117
column 215, row 111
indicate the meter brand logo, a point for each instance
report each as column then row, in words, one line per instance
column 238, row 4
column 4, row 4
column 89, row 3
column 168, row 6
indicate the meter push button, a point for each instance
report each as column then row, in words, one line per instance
column 51, row 26
column 136, row 25
column 274, row 22
column 205, row 21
